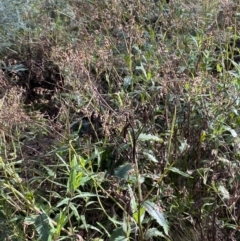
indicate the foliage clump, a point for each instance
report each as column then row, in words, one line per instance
column 119, row 120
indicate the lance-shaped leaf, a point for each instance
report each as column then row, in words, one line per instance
column 157, row 214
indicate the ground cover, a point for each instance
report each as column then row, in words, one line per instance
column 119, row 120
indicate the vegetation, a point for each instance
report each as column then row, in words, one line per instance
column 119, row 120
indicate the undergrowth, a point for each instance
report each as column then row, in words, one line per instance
column 119, row 120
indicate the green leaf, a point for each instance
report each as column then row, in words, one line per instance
column 154, row 211
column 61, row 219
column 176, row 170
column 150, row 157
column 121, row 238
column 183, row 146
column 141, row 67
column 134, row 207
column 30, row 220
column 149, row 137
column 75, row 211
column 88, row 226
column 118, row 235
column 85, row 195
column 122, row 170
column 15, row 68
column 142, row 214
column 65, row 201
column 149, row 76
column 223, row 192
column 153, row 232
column 133, row 203
column 50, row 172
column 127, row 81
column 42, row 226
column 232, row 131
